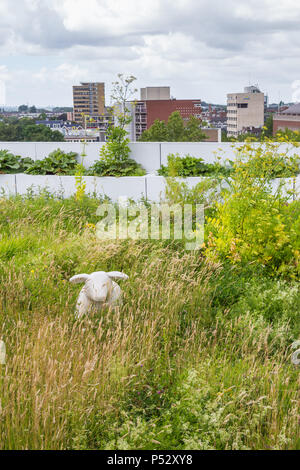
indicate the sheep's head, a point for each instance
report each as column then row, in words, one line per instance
column 98, row 285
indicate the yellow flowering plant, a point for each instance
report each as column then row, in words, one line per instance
column 258, row 219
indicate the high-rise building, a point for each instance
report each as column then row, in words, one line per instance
column 88, row 99
column 245, row 111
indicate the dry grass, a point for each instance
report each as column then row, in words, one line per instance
column 66, row 382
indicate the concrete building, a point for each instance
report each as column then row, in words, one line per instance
column 88, row 99
column 287, row 119
column 155, row 93
column 245, row 111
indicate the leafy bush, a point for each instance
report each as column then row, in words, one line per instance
column 254, row 223
column 114, row 155
column 205, row 192
column 10, row 163
column 268, row 160
column 113, row 168
column 57, row 162
column 192, row 166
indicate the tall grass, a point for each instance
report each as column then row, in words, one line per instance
column 174, row 368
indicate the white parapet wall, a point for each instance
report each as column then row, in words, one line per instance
column 151, row 155
column 133, row 187
column 136, row 188
column 8, row 185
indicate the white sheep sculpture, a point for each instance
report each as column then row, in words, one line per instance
column 99, row 291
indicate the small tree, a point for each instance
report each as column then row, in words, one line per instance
column 175, row 130
column 115, row 153
column 121, row 93
column 192, row 131
column 175, row 126
column 158, row 132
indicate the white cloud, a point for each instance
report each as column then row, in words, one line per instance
column 199, row 47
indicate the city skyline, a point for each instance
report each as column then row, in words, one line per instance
column 199, row 48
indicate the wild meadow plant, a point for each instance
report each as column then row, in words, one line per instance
column 198, row 356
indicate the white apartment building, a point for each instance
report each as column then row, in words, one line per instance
column 244, row 111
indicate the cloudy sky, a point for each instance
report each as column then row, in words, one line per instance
column 202, row 49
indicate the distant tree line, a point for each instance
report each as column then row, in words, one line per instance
column 26, row 130
column 24, row 108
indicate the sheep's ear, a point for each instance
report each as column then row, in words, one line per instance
column 79, row 278
column 117, row 275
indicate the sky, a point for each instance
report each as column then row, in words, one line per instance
column 201, row 49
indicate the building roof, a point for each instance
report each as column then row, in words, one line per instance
column 294, row 109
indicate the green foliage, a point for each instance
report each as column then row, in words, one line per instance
column 276, row 301
column 57, row 163
column 266, row 135
column 79, row 182
column 175, row 130
column 205, row 192
column 116, row 148
column 269, row 126
column 175, row 127
column 25, row 130
column 253, row 223
column 288, row 136
column 158, row 132
column 115, row 159
column 9, row 163
column 192, row 166
column 192, row 131
column 128, row 167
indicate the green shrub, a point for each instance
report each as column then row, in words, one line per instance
column 113, row 168
column 191, row 166
column 10, row 163
column 253, row 223
column 57, row 163
column 114, row 155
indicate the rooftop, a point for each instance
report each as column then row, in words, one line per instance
column 294, row 109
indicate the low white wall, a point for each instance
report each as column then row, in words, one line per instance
column 151, row 155
column 8, row 185
column 134, row 187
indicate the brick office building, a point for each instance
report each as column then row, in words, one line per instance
column 155, row 104
column 161, row 109
column 287, row 119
